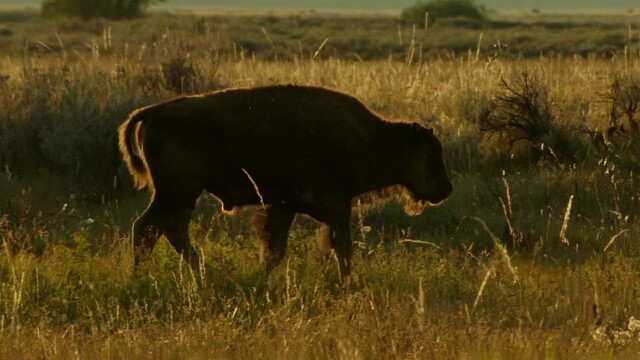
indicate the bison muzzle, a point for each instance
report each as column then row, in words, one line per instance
column 287, row 149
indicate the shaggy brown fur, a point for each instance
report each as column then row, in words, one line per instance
column 289, row 149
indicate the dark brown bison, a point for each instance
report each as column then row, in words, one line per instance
column 287, row 149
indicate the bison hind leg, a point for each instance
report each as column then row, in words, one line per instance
column 272, row 226
column 177, row 232
column 145, row 233
column 169, row 216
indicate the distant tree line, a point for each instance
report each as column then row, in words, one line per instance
column 111, row 9
column 443, row 9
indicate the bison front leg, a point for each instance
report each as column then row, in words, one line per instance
column 272, row 226
column 339, row 236
column 340, row 239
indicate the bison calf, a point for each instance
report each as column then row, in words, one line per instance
column 288, row 149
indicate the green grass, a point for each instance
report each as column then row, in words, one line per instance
column 67, row 283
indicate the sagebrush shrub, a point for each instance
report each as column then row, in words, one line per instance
column 179, row 76
column 521, row 117
column 623, row 97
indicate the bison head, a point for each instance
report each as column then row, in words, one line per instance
column 427, row 178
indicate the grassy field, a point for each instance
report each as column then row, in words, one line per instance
column 534, row 256
column 348, row 36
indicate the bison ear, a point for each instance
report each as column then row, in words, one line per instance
column 415, row 127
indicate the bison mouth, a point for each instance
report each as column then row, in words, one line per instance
column 430, row 199
column 418, row 202
column 415, row 206
column 425, row 203
column 415, row 202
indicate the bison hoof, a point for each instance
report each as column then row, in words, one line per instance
column 272, row 259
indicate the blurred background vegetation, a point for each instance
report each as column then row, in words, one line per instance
column 110, row 9
column 423, row 13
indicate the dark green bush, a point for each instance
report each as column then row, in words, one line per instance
column 442, row 9
column 111, row 9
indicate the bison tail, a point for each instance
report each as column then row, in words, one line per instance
column 130, row 149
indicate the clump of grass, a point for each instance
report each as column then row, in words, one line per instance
column 178, row 75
